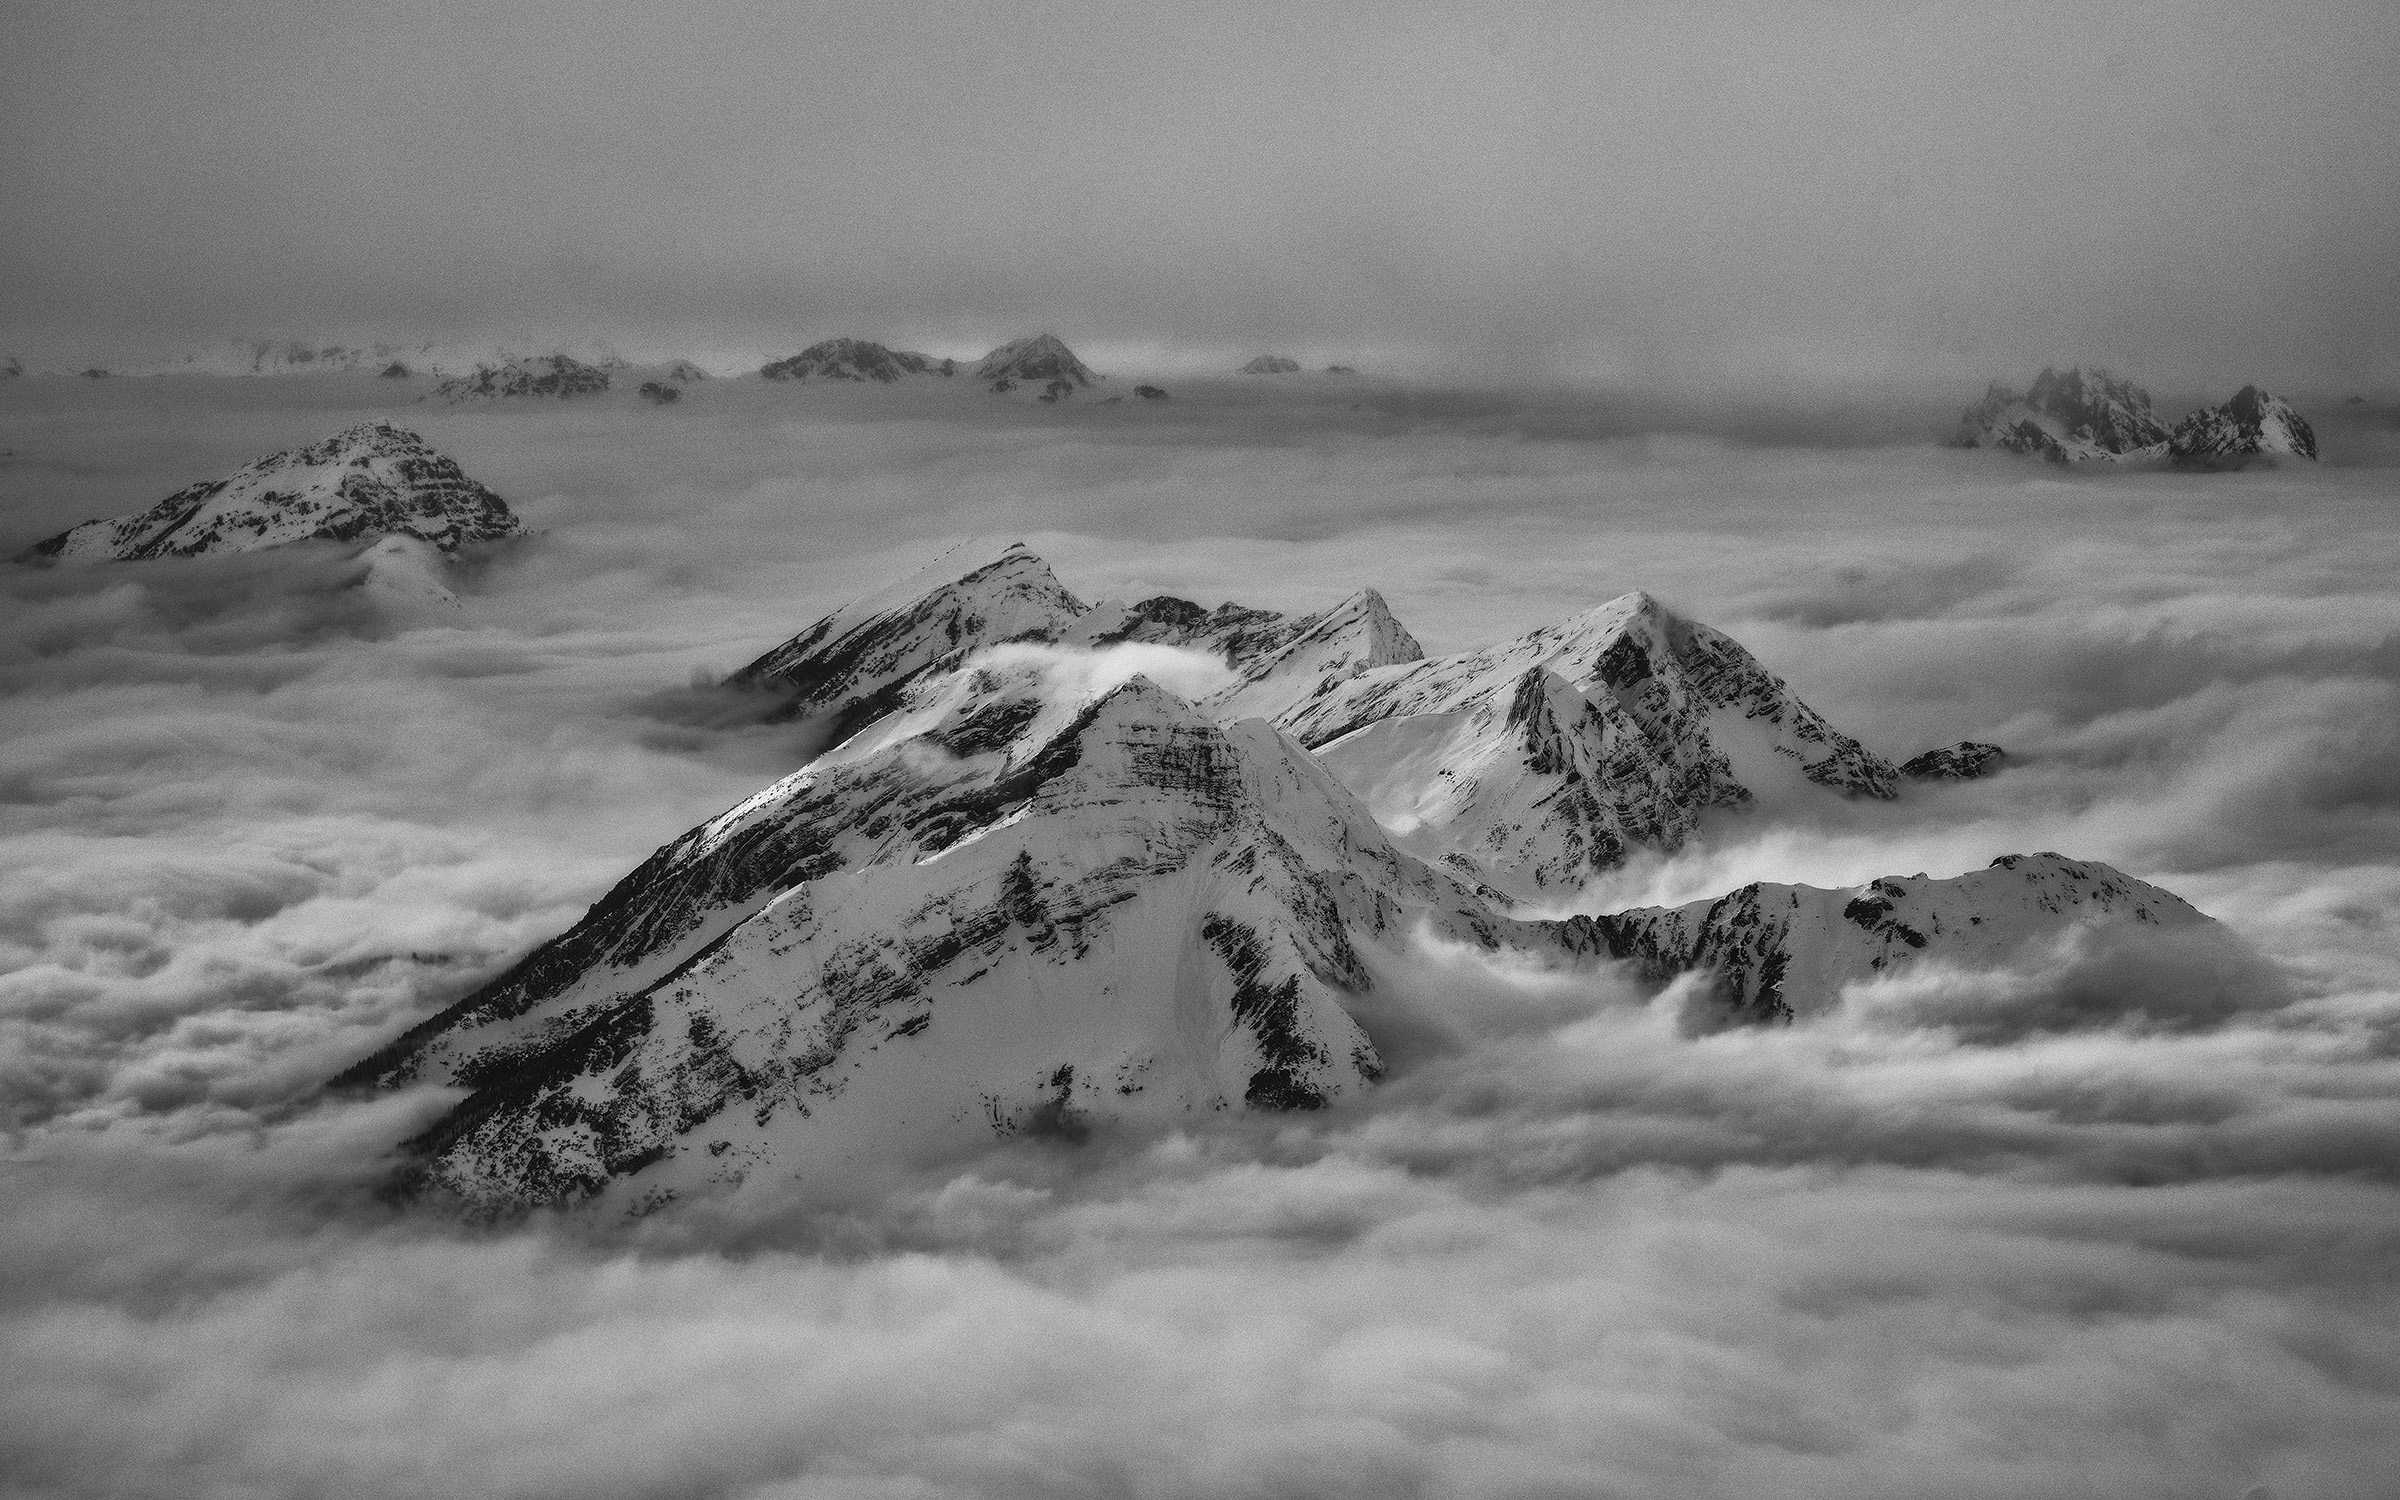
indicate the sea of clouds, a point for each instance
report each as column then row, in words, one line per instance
column 2119, row 1222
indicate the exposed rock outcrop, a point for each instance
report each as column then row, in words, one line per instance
column 1964, row 761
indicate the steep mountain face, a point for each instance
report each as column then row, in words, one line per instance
column 2252, row 425
column 1964, row 761
column 1279, row 658
column 2067, row 418
column 851, row 667
column 1530, row 766
column 854, row 359
column 1009, row 900
column 1271, row 364
column 1780, row 951
column 1537, row 763
column 557, row 375
column 1043, row 360
column 374, row 478
column 1000, row 911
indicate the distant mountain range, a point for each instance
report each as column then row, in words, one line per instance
column 2079, row 417
column 1020, row 895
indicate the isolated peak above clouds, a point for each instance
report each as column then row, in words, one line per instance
column 1027, row 890
column 374, row 479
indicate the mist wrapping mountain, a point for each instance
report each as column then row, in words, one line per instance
column 1042, row 360
column 1780, row 951
column 1271, row 364
column 372, row 479
column 1964, row 761
column 558, row 375
column 1017, row 896
column 2066, row 418
column 2252, row 425
column 855, row 359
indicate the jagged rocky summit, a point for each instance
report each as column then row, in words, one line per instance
column 557, row 375
column 1529, row 766
column 2067, row 418
column 373, row 479
column 1271, row 364
column 1023, row 895
column 2252, row 425
column 2085, row 416
column 1042, row 360
column 855, row 359
column 1965, row 761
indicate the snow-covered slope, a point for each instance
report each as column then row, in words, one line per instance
column 1043, row 360
column 1779, row 951
column 1004, row 910
column 2251, row 425
column 855, row 359
column 373, row 479
column 850, row 667
column 538, row 375
column 1530, row 766
column 2067, row 418
column 1539, row 762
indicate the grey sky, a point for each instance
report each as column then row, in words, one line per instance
column 1745, row 192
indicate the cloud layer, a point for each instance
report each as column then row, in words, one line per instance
column 2107, row 1221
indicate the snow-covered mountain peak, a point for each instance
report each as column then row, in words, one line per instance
column 558, row 375
column 1042, row 360
column 853, row 666
column 2250, row 426
column 376, row 478
column 1540, row 761
column 2075, row 416
column 856, row 360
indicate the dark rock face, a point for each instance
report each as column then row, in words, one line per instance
column 1271, row 364
column 375, row 478
column 850, row 359
column 2063, row 417
column 396, row 371
column 1964, row 761
column 2253, row 425
column 1150, row 393
column 1043, row 360
column 658, row 393
column 556, row 375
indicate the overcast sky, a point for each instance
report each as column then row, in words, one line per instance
column 1756, row 193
